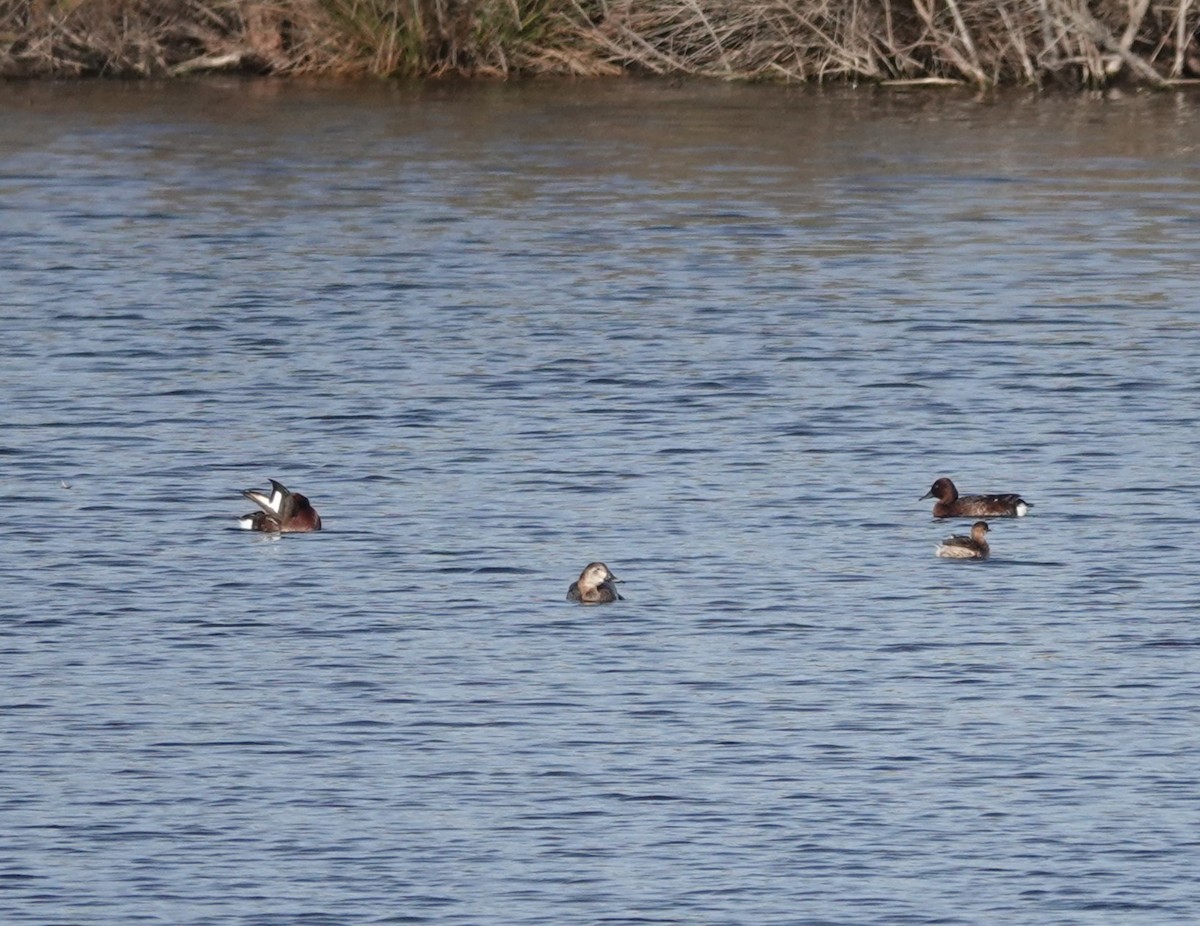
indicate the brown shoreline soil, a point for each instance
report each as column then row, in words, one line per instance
column 979, row 42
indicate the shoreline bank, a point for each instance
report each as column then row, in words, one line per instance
column 983, row 43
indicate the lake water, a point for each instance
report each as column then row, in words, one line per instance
column 721, row 337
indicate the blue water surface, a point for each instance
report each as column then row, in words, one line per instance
column 722, row 338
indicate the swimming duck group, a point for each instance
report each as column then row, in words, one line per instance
column 950, row 504
column 282, row 511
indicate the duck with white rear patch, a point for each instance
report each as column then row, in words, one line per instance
column 952, row 505
column 283, row 512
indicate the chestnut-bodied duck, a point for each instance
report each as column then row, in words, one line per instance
column 283, row 512
column 952, row 505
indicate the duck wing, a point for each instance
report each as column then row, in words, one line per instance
column 1006, row 498
column 276, row 504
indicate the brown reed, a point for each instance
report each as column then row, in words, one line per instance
column 980, row 42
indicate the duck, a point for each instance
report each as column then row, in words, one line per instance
column 283, row 511
column 595, row 585
column 952, row 505
column 961, row 547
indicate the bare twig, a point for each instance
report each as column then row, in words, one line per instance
column 1104, row 39
column 1182, row 38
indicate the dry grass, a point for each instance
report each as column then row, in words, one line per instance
column 985, row 42
column 982, row 42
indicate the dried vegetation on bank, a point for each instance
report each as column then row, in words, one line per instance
column 981, row 42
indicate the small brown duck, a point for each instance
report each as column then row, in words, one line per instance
column 594, row 586
column 952, row 505
column 282, row 512
column 960, row 547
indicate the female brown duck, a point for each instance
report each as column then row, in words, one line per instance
column 960, row 547
column 594, row 586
